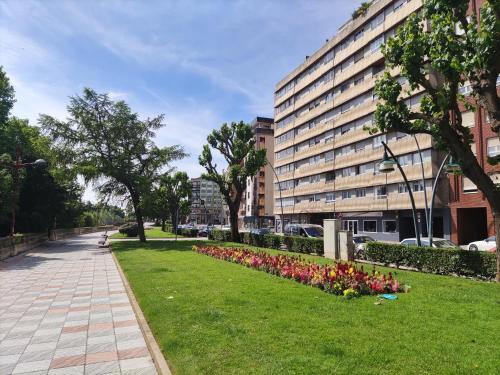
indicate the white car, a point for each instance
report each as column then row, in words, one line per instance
column 436, row 242
column 484, row 245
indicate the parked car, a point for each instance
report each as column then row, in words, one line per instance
column 304, row 230
column 488, row 244
column 436, row 242
column 360, row 241
column 203, row 231
column 260, row 231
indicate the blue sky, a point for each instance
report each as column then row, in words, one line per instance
column 199, row 62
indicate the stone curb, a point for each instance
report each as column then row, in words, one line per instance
column 156, row 354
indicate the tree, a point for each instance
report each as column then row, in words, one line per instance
column 440, row 50
column 236, row 144
column 7, row 99
column 174, row 191
column 109, row 145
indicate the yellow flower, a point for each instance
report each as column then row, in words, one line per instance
column 333, row 274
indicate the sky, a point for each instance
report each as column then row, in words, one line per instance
column 199, row 62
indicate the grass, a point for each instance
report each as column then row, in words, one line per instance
column 154, row 232
column 214, row 317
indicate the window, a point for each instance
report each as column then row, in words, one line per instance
column 493, row 145
column 347, row 194
column 405, row 160
column 389, row 226
column 370, row 226
column 381, row 191
column 377, row 141
column 329, row 176
column 328, row 156
column 330, row 197
column 468, row 119
column 361, row 192
column 468, row 186
column 402, row 188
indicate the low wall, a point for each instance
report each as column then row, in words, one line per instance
column 10, row 247
column 59, row 234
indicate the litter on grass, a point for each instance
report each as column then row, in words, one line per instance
column 389, row 296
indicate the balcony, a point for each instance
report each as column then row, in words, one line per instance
column 358, row 112
column 317, row 130
column 313, row 150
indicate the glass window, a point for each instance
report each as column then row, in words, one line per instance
column 468, row 119
column 330, row 197
column 361, row 192
column 370, row 226
column 381, row 191
column 468, row 185
column 493, row 145
column 389, row 226
column 346, row 194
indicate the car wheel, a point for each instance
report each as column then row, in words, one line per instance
column 473, row 248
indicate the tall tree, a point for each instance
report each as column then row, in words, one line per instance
column 236, row 144
column 7, row 99
column 108, row 144
column 174, row 191
column 442, row 49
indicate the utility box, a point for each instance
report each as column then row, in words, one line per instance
column 331, row 228
column 346, row 245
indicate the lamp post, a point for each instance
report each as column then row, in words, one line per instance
column 14, row 167
column 451, row 168
column 386, row 166
column 281, row 198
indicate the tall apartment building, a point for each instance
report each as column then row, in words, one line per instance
column 257, row 206
column 326, row 163
column 206, row 203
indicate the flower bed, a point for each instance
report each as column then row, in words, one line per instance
column 340, row 278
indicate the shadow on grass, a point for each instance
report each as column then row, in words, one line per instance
column 161, row 245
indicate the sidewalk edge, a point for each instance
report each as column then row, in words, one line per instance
column 156, row 354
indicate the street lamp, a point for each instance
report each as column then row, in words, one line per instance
column 14, row 167
column 386, row 166
column 451, row 168
column 281, row 198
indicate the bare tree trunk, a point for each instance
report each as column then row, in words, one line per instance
column 163, row 224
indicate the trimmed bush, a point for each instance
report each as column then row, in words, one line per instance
column 220, row 235
column 434, row 260
column 130, row 229
column 272, row 241
column 304, row 245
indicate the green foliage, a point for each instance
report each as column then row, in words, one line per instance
column 235, row 142
column 429, row 259
column 219, row 235
column 107, row 143
column 173, row 195
column 7, row 99
column 271, row 241
column 362, row 9
column 188, row 232
column 129, row 229
column 304, row 245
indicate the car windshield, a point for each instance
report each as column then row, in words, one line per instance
column 490, row 239
column 314, row 231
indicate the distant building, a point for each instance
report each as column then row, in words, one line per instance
column 257, row 205
column 206, row 203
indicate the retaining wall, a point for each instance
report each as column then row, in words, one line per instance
column 10, row 247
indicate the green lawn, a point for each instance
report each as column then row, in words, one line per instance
column 214, row 317
column 154, row 232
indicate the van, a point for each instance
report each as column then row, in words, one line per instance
column 304, row 230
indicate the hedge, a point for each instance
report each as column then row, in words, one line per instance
column 187, row 232
column 272, row 241
column 433, row 260
column 304, row 245
column 219, row 235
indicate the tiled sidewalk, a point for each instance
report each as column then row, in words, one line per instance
column 64, row 310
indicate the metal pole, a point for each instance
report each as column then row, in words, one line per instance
column 430, row 229
column 410, row 193
column 281, row 198
column 427, row 213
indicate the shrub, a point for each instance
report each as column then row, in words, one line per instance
column 188, row 232
column 304, row 245
column 272, row 241
column 129, row 229
column 429, row 259
column 220, row 235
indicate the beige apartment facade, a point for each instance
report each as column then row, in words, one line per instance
column 327, row 164
column 257, row 205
